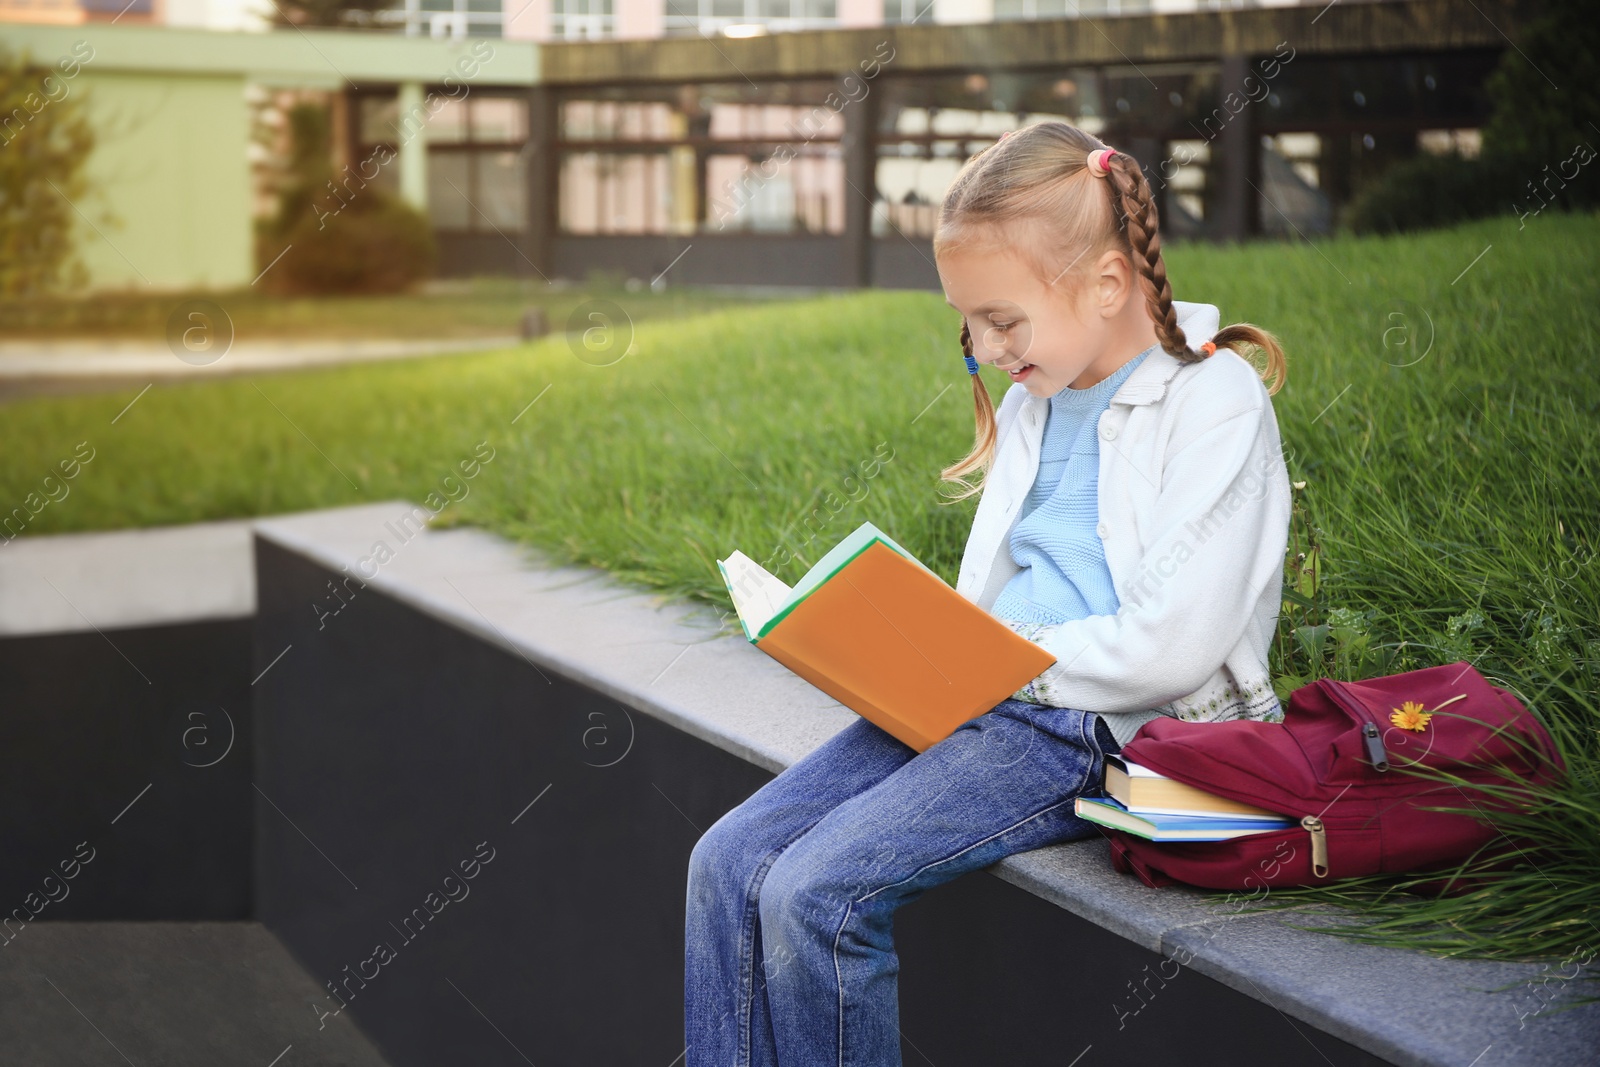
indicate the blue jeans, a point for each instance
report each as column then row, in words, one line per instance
column 789, row 953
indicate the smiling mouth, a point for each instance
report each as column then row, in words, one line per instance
column 1018, row 372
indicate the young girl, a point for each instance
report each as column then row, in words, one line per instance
column 1133, row 521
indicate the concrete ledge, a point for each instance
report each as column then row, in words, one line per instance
column 590, row 635
column 67, row 583
column 669, row 662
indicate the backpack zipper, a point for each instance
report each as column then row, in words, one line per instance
column 1375, row 749
column 1319, row 845
column 1371, row 738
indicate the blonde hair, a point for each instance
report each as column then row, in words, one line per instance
column 1034, row 189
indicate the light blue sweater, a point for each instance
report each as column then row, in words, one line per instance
column 1064, row 574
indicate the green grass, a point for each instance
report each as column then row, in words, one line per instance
column 1449, row 512
column 486, row 307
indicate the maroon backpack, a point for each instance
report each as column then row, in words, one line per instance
column 1337, row 765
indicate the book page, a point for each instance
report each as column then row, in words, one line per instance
column 854, row 543
column 1136, row 771
column 757, row 595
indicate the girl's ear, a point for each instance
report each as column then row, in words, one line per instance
column 1114, row 283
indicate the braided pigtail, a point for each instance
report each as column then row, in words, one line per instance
column 983, row 441
column 1135, row 210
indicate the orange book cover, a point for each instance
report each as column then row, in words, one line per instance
column 879, row 632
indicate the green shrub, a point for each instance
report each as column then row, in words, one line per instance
column 1430, row 191
column 376, row 244
column 349, row 237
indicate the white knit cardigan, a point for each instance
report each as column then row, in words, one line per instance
column 1194, row 516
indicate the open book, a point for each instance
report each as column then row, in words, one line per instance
column 878, row 631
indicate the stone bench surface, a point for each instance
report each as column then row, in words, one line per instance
column 69, row 583
column 673, row 662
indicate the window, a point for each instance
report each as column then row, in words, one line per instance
column 905, row 12
column 477, row 171
column 708, row 17
column 929, row 126
column 721, row 158
column 1187, row 173
column 1292, row 199
column 1060, row 9
column 582, row 19
column 1465, row 143
column 445, row 18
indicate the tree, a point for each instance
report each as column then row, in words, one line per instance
column 1539, row 145
column 45, row 141
column 1538, row 124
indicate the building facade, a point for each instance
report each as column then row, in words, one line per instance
column 815, row 157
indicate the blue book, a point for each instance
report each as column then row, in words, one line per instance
column 1152, row 827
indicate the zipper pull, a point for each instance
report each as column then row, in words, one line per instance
column 1375, row 749
column 1319, row 845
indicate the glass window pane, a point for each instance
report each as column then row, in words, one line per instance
column 502, row 190
column 448, row 125
column 447, row 191
column 796, row 110
column 499, row 119
column 989, row 103
column 779, row 189
column 910, row 188
column 625, row 192
column 1291, row 201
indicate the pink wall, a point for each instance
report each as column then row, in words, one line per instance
column 860, row 12
column 640, row 18
column 527, row 20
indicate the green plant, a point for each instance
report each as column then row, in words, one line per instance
column 1536, row 122
column 1538, row 145
column 1427, row 191
column 47, row 140
column 353, row 237
column 377, row 244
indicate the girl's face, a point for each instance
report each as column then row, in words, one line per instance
column 1047, row 336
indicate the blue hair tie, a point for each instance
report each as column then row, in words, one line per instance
column 972, row 365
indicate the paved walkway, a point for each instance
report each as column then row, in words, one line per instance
column 33, row 367
column 181, row 994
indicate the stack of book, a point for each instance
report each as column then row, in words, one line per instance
column 1159, row 808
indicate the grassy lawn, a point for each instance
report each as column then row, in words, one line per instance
column 487, row 307
column 1442, row 408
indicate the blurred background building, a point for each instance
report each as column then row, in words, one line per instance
column 791, row 142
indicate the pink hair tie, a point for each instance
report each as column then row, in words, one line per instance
column 1100, row 161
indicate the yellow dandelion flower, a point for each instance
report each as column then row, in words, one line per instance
column 1410, row 716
